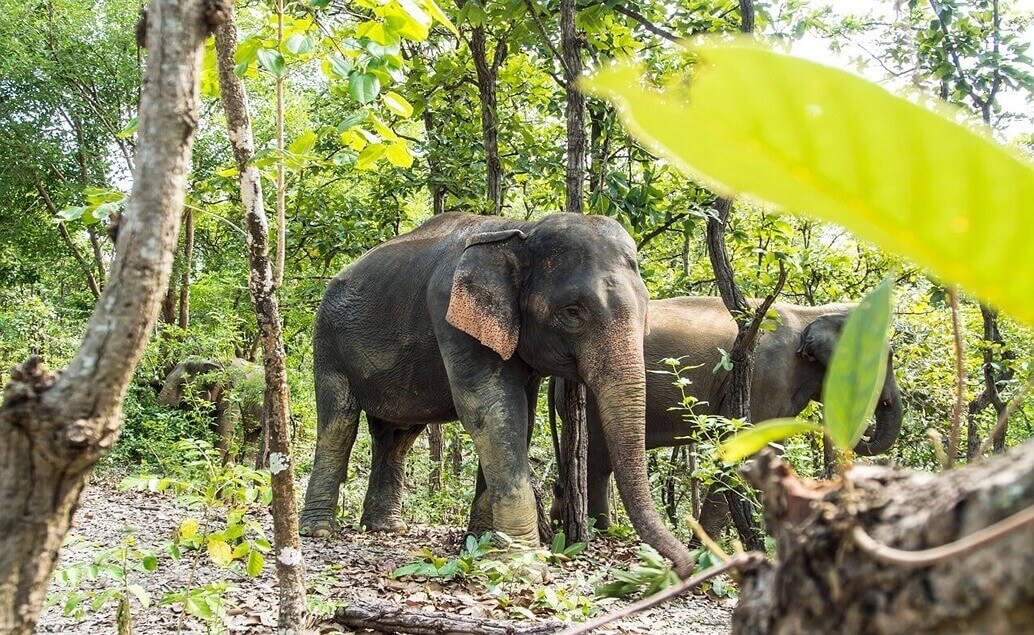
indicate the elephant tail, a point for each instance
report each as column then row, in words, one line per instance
column 555, row 384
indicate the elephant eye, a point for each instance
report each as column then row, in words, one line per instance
column 571, row 316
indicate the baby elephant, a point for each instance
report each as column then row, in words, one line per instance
column 236, row 391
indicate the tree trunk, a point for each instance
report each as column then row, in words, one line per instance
column 486, row 75
column 736, row 401
column 436, row 452
column 574, row 444
column 434, row 170
column 289, row 564
column 55, row 429
column 822, row 582
column 188, row 258
column 989, row 396
column 574, row 436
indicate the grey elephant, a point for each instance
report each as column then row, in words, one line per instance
column 234, row 390
column 460, row 319
column 789, row 371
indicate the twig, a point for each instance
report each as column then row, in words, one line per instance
column 960, row 378
column 936, row 555
column 1003, row 418
column 646, row 24
column 657, row 598
column 707, row 540
column 533, row 10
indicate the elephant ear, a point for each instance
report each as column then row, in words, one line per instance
column 820, row 337
column 483, row 302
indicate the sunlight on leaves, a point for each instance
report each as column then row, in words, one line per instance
column 751, row 440
column 820, row 140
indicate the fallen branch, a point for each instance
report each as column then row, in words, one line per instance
column 743, row 561
column 389, row 617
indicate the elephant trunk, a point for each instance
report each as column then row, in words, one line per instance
column 621, row 396
column 889, row 416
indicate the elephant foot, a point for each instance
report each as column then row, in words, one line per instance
column 317, row 526
column 385, row 525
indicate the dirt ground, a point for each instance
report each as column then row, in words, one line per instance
column 347, row 566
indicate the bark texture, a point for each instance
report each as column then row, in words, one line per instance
column 574, row 436
column 289, row 563
column 436, row 452
column 487, row 72
column 54, row 428
column 822, row 583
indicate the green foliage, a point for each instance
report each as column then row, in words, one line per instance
column 749, row 441
column 858, row 368
column 743, row 126
column 109, row 575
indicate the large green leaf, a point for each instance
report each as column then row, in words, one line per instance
column 363, row 87
column 750, row 440
column 823, row 141
column 858, row 368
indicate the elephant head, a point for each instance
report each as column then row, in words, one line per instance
column 816, row 346
column 567, row 299
column 184, row 372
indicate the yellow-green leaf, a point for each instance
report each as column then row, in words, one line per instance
column 820, row 140
column 436, row 12
column 383, row 129
column 188, row 528
column 750, row 440
column 220, row 551
column 397, row 104
column 255, row 563
column 857, row 368
column 369, row 156
column 398, row 154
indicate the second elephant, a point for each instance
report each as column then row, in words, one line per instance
column 789, row 370
column 235, row 390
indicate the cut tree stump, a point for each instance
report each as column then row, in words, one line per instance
column 821, row 582
column 389, row 617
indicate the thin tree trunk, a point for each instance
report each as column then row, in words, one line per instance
column 436, row 452
column 289, row 562
column 736, row 402
column 486, row 76
column 574, row 436
column 188, row 258
column 55, row 429
column 98, row 253
column 989, row 396
column 434, row 169
column 91, row 281
column 281, row 188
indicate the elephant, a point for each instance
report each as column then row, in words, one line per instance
column 234, row 390
column 789, row 370
column 460, row 319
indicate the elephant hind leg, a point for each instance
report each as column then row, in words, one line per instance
column 382, row 507
column 337, row 416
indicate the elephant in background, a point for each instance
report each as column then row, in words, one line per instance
column 460, row 319
column 236, row 393
column 789, row 370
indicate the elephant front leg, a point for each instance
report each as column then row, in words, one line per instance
column 480, row 508
column 498, row 429
column 382, row 508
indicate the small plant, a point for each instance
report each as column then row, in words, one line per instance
column 561, row 552
column 205, row 603
column 109, row 573
column 653, row 573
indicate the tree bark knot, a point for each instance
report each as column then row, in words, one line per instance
column 822, row 581
column 29, row 380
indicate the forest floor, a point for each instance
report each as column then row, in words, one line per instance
column 343, row 568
